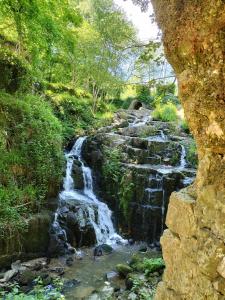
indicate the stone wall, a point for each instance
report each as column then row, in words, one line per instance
column 193, row 246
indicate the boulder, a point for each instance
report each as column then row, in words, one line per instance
column 123, row 270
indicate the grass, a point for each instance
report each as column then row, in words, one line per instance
column 165, row 112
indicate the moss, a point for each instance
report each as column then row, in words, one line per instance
column 123, row 270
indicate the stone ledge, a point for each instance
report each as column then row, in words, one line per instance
column 180, row 217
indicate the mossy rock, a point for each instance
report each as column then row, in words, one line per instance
column 123, row 270
column 107, row 248
column 136, row 263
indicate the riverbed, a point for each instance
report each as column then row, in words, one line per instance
column 91, row 274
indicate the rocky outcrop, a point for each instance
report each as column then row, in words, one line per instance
column 72, row 225
column 193, row 247
column 151, row 166
column 32, row 243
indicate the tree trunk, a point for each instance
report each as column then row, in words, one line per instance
column 193, row 246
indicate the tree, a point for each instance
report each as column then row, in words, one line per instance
column 102, row 38
column 42, row 31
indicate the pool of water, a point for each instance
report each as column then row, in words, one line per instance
column 92, row 273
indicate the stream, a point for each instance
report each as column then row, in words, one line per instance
column 156, row 161
column 92, row 273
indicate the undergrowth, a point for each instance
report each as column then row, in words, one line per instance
column 165, row 112
column 31, row 157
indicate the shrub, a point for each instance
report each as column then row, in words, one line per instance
column 151, row 265
column 143, row 94
column 184, row 126
column 126, row 191
column 165, row 113
column 39, row 292
column 112, row 166
column 31, row 156
column 191, row 155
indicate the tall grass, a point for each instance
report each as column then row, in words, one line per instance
column 165, row 112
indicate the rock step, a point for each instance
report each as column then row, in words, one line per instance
column 153, row 197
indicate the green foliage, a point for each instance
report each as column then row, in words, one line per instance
column 39, row 292
column 164, row 89
column 166, row 112
column 126, row 191
column 151, row 265
column 184, row 126
column 143, row 94
column 74, row 113
column 145, row 286
column 146, row 265
column 123, row 184
column 14, row 71
column 31, row 156
column 191, row 154
column 112, row 165
column 142, row 290
column 78, row 43
column 165, row 93
column 41, row 28
column 148, row 131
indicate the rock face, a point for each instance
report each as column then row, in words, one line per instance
column 151, row 166
column 33, row 242
column 193, row 247
column 73, row 226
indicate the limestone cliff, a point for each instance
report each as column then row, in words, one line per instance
column 193, row 246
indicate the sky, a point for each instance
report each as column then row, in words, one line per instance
column 142, row 21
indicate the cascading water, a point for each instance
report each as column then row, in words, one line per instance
column 183, row 158
column 163, row 136
column 97, row 212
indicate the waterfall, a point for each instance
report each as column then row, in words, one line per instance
column 163, row 136
column 183, row 158
column 97, row 212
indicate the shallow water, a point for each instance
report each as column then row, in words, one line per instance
column 92, row 273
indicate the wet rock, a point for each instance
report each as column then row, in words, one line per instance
column 131, row 241
column 27, row 277
column 132, row 296
column 70, row 284
column 58, row 270
column 73, row 227
column 35, row 264
column 69, row 261
column 152, row 161
column 111, row 275
column 102, row 249
column 79, row 255
column 143, row 248
column 107, row 248
column 78, row 175
column 8, row 276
